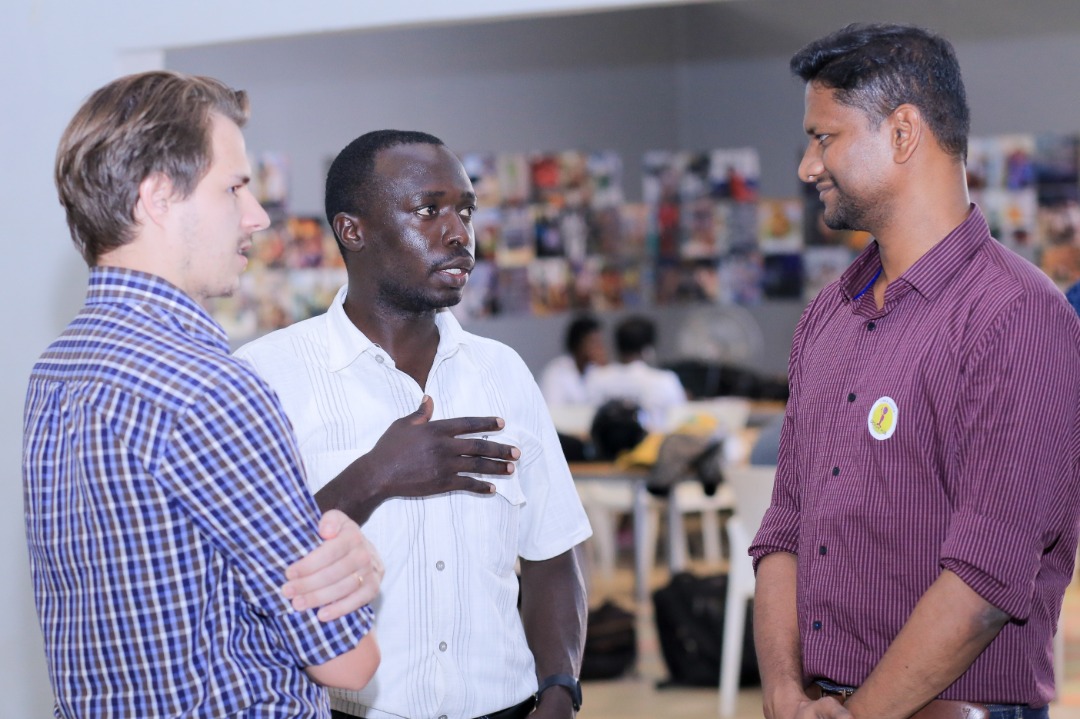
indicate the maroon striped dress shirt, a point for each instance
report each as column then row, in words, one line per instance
column 941, row 431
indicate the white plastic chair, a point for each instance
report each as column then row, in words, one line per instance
column 751, row 487
column 732, row 414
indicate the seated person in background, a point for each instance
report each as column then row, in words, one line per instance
column 562, row 382
column 656, row 391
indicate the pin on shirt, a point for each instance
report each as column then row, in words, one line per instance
column 882, row 418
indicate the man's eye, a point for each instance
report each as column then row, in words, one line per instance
column 467, row 211
column 426, row 211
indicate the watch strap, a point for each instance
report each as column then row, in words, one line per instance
column 562, row 680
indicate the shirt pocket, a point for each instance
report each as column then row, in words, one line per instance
column 498, row 518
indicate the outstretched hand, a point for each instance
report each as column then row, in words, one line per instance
column 340, row 575
column 419, row 457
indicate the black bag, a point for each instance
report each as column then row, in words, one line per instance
column 616, row 428
column 686, row 456
column 689, row 615
column 610, row 642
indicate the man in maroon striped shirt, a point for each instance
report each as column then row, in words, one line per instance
column 924, row 521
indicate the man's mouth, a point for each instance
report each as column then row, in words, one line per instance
column 456, row 273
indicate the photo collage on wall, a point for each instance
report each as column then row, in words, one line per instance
column 552, row 234
column 294, row 268
column 1028, row 186
column 703, row 225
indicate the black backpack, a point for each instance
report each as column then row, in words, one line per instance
column 689, row 615
column 610, row 642
column 616, row 428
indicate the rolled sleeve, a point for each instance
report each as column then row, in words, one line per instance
column 1005, row 577
column 1010, row 484
column 779, row 531
column 311, row 642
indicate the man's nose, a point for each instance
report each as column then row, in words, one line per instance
column 458, row 231
column 810, row 165
column 255, row 215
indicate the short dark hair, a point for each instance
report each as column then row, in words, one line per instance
column 634, row 334
column 581, row 327
column 878, row 67
column 350, row 182
column 126, row 131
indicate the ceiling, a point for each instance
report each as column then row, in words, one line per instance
column 767, row 27
column 755, row 28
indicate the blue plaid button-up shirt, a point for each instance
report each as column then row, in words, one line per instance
column 164, row 499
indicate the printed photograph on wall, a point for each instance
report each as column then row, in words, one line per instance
column 294, row 266
column 703, row 224
column 1028, row 187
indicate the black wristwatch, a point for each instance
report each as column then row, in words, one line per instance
column 562, row 680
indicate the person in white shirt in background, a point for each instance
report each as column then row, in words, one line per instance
column 656, row 391
column 562, row 381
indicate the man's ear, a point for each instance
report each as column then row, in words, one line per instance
column 906, row 130
column 155, row 197
column 348, row 230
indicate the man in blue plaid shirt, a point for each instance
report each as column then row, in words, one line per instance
column 165, row 497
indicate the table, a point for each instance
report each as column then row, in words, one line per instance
column 606, row 488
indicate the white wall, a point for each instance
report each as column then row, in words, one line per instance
column 53, row 54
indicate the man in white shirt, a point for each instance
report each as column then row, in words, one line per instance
column 656, row 391
column 562, row 381
column 454, row 644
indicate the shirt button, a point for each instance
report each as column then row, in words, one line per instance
column 851, row 397
column 816, row 625
column 870, row 326
column 442, row 716
column 379, row 359
column 835, row 471
column 442, row 646
column 440, row 565
column 822, row 550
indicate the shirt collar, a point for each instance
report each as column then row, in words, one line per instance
column 119, row 285
column 345, row 342
column 932, row 272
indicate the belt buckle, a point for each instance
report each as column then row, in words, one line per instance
column 841, row 695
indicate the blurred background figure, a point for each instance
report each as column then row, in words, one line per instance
column 1073, row 295
column 634, row 378
column 562, row 381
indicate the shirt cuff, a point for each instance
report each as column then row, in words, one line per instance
column 779, row 532
column 312, row 642
column 997, row 560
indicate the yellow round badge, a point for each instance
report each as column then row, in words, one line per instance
column 882, row 418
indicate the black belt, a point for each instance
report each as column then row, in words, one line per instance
column 518, row 711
